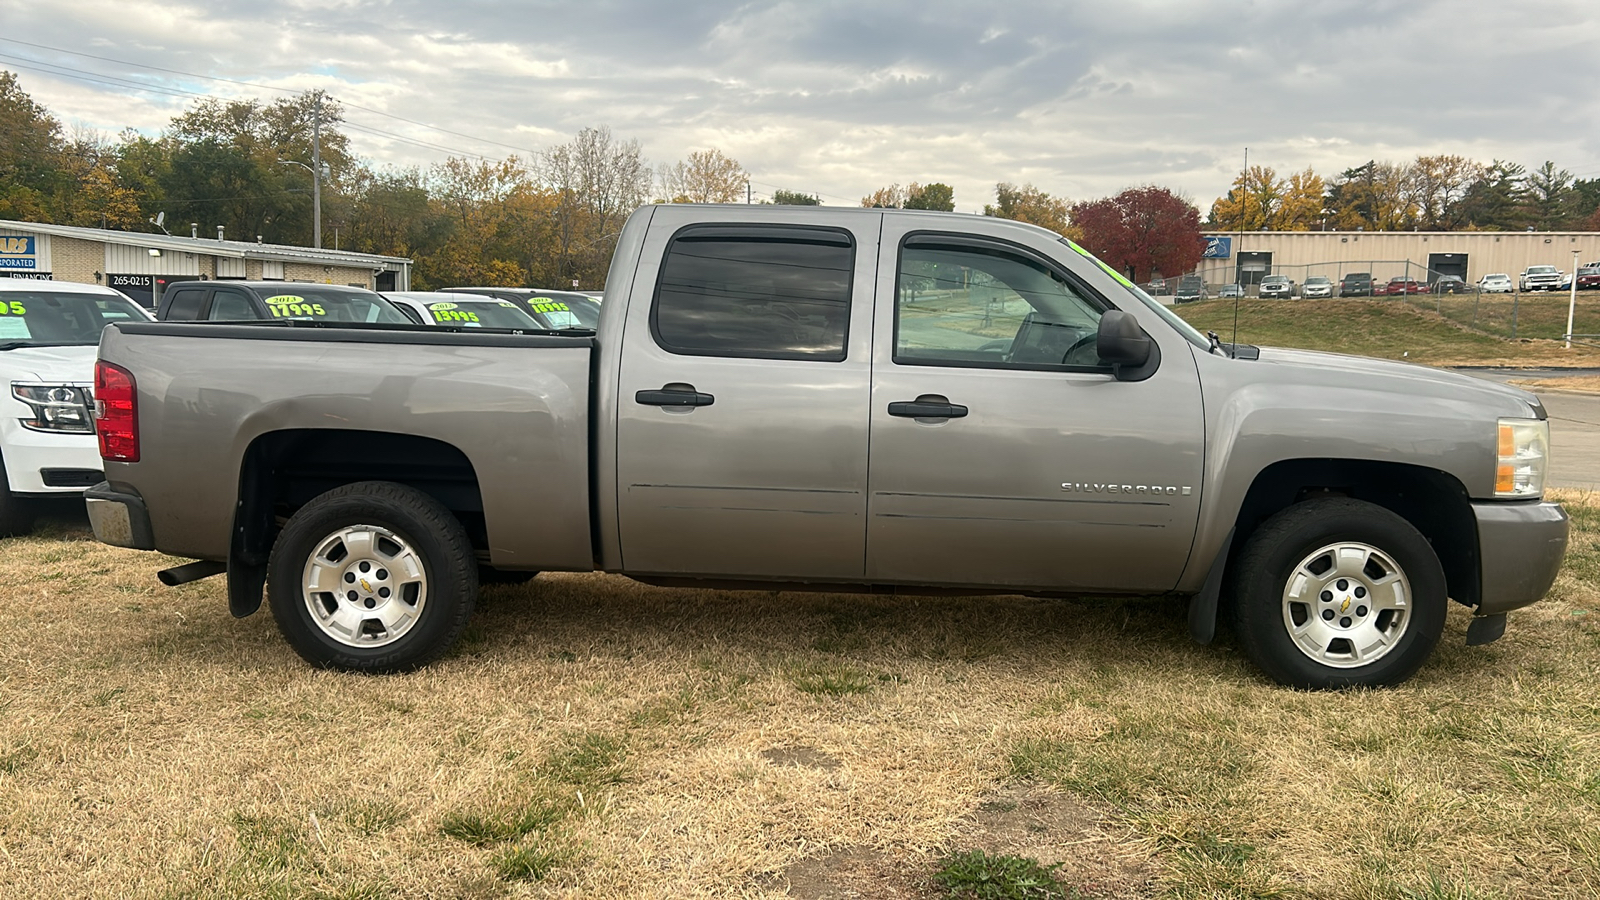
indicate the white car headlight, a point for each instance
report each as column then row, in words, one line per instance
column 56, row 407
column 1522, row 459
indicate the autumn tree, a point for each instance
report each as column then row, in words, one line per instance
column 1142, row 231
column 1304, row 199
column 1438, row 185
column 891, row 197
column 30, row 153
column 1375, row 196
column 1252, row 203
column 1029, row 204
column 707, row 176
column 782, row 197
column 597, row 182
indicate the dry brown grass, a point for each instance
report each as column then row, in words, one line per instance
column 1575, row 384
column 151, row 746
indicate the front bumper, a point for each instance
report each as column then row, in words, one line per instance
column 119, row 518
column 47, row 463
column 1520, row 547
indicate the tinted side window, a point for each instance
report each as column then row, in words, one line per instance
column 230, row 306
column 185, row 304
column 754, row 291
column 985, row 306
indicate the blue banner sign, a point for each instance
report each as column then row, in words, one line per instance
column 1218, row 248
column 17, row 253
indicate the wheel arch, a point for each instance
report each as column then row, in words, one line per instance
column 1434, row 502
column 283, row 470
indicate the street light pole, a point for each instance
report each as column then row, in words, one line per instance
column 1572, row 301
column 316, row 170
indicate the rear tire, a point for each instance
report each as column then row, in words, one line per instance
column 1337, row 593
column 372, row 577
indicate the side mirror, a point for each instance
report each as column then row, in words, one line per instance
column 1122, row 343
column 1121, row 340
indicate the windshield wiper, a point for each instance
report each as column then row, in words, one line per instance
column 17, row 345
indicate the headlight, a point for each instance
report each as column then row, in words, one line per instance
column 1523, row 458
column 56, row 407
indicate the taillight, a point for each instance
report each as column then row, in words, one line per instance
column 116, row 401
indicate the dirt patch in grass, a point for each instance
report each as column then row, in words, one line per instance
column 1386, row 329
column 603, row 739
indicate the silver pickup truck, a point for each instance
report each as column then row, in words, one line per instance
column 831, row 399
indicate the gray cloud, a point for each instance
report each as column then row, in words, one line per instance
column 840, row 98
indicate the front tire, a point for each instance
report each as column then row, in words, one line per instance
column 372, row 577
column 16, row 513
column 1337, row 593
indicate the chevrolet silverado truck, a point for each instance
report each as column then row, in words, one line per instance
column 1540, row 278
column 863, row 400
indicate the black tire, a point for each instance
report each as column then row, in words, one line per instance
column 425, row 526
column 16, row 513
column 1289, row 537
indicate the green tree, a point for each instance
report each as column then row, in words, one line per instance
column 930, row 196
column 1549, row 196
column 782, row 197
column 1496, row 201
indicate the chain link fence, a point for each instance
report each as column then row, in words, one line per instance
column 1509, row 314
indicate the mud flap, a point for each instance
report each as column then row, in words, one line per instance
column 1203, row 606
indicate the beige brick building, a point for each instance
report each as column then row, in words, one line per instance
column 1246, row 257
column 142, row 265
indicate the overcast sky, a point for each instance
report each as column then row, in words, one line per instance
column 1081, row 99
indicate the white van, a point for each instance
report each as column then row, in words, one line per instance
column 49, row 335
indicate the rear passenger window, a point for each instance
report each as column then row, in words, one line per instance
column 185, row 304
column 755, row 291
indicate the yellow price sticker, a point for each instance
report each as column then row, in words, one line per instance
column 13, row 308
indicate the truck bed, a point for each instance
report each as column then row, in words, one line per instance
column 513, row 407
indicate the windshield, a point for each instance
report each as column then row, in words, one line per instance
column 1541, row 270
column 1318, row 279
column 308, row 302
column 1167, row 315
column 481, row 314
column 1275, row 279
column 44, row 317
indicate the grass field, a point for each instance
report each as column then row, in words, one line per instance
column 593, row 737
column 1390, row 329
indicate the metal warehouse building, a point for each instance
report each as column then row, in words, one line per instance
column 142, row 265
column 1247, row 257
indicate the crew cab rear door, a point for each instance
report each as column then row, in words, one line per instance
column 1004, row 453
column 743, row 402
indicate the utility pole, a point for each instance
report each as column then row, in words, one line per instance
column 1572, row 300
column 316, row 170
column 747, row 192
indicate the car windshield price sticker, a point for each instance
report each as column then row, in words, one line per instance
column 287, row 306
column 449, row 312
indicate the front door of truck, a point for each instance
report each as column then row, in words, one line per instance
column 1003, row 452
column 742, row 409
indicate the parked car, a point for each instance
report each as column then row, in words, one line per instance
column 48, row 334
column 714, row 432
column 1400, row 285
column 241, row 301
column 1277, row 287
column 1317, row 287
column 1356, row 284
column 558, row 309
column 463, row 310
column 1230, row 290
column 1588, row 278
column 1495, row 283
column 1190, row 288
column 1450, row 284
column 1540, row 278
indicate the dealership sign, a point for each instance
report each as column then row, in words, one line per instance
column 17, row 253
column 1218, row 248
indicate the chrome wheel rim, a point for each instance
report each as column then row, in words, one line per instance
column 1347, row 605
column 364, row 586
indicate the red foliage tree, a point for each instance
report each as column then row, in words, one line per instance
column 1142, row 231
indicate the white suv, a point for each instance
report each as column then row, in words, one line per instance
column 49, row 335
column 1496, row 283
